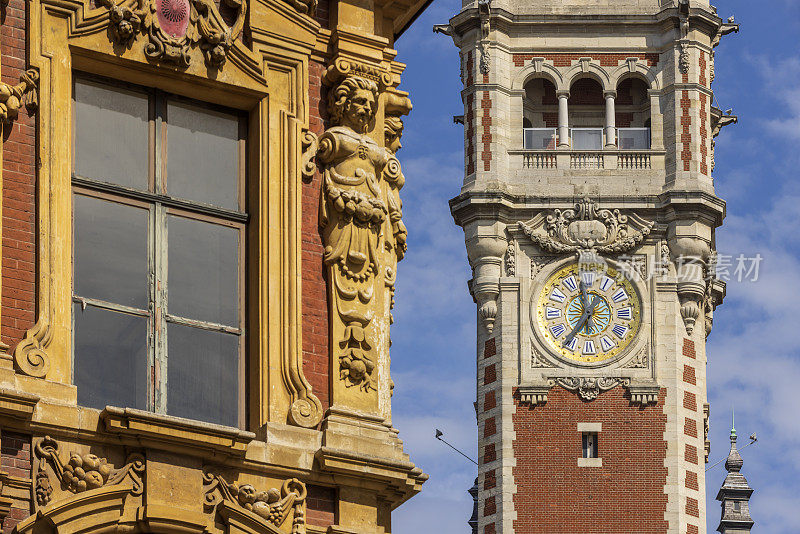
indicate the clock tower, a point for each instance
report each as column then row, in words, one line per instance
column 589, row 213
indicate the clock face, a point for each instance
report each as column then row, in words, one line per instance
column 588, row 316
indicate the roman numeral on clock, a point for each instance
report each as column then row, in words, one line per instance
column 620, row 331
column 607, row 343
column 558, row 330
column 557, row 295
column 625, row 313
column 619, row 295
column 570, row 283
column 552, row 313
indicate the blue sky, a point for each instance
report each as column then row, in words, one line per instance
column 754, row 351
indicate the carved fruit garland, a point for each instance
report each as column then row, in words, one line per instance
column 272, row 506
column 82, row 472
column 174, row 26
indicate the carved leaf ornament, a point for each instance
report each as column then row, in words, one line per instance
column 589, row 388
column 587, row 227
column 174, row 26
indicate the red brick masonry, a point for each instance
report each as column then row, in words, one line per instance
column 556, row 496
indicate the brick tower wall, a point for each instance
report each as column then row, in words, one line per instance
column 625, row 495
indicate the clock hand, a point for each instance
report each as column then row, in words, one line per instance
column 590, row 311
column 577, row 328
column 584, row 298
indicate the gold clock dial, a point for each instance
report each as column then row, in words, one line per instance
column 588, row 316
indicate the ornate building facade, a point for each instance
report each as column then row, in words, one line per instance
column 201, row 226
column 589, row 214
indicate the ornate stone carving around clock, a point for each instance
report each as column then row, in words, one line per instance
column 587, row 227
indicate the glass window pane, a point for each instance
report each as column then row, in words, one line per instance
column 203, row 155
column 203, row 375
column 110, row 251
column 203, row 277
column 110, row 358
column 111, row 134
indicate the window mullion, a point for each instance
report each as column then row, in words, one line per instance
column 160, row 302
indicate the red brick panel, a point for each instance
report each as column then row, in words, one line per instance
column 690, row 428
column 691, row 481
column 486, row 121
column 689, row 375
column 690, row 455
column 688, row 348
column 692, row 507
column 489, row 507
column 15, row 459
column 489, row 529
column 489, row 401
column 320, row 506
column 686, row 134
column 19, row 189
column 314, row 295
column 690, row 401
column 489, row 454
column 489, row 480
column 692, row 529
column 489, row 374
column 489, row 348
column 489, row 428
column 703, row 135
column 555, row 495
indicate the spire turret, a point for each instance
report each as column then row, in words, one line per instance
column 735, row 494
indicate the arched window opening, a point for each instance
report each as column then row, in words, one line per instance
column 540, row 121
column 633, row 115
column 587, row 115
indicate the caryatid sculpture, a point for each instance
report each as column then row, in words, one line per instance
column 360, row 216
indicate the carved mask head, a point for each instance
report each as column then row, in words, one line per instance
column 353, row 103
column 393, row 131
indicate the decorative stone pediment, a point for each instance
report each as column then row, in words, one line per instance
column 587, row 227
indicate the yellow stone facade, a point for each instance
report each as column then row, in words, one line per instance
column 126, row 470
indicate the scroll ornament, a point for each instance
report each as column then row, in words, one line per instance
column 82, row 472
column 25, row 93
column 587, row 227
column 272, row 506
column 588, row 388
column 359, row 210
column 174, row 26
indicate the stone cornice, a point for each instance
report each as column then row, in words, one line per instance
column 469, row 19
column 175, row 433
column 507, row 207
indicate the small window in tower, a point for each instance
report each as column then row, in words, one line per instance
column 590, row 445
column 737, row 506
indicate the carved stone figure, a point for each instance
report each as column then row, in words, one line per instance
column 360, row 179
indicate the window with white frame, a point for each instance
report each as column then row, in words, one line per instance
column 158, row 252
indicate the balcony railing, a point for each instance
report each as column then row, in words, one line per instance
column 540, row 138
column 633, row 138
column 586, row 138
